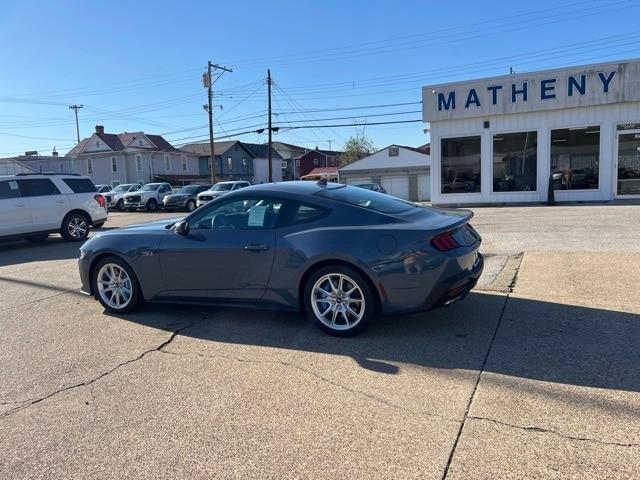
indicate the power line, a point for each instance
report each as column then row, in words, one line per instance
column 531, row 19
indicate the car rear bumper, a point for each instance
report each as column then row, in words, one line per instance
column 445, row 284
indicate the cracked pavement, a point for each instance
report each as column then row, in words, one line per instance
column 534, row 375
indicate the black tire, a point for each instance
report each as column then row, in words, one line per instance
column 151, row 206
column 191, row 206
column 120, row 205
column 98, row 225
column 37, row 238
column 75, row 227
column 365, row 293
column 136, row 293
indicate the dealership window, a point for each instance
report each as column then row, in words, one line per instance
column 89, row 166
column 138, row 163
column 114, row 164
column 184, row 163
column 575, row 158
column 167, row 162
column 515, row 158
column 460, row 165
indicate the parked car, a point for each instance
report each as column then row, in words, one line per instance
column 185, row 198
column 218, row 190
column 33, row 206
column 115, row 198
column 374, row 187
column 149, row 197
column 338, row 252
column 103, row 188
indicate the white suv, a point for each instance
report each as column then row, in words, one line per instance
column 218, row 190
column 32, row 206
column 149, row 197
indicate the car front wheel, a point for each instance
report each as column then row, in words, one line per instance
column 191, row 205
column 116, row 286
column 152, row 205
column 339, row 300
column 75, row 227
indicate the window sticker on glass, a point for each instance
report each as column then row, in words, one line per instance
column 256, row 216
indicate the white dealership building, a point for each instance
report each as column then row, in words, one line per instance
column 506, row 139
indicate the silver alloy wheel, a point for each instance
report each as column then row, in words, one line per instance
column 77, row 227
column 114, row 286
column 337, row 301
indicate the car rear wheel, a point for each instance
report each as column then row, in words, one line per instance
column 151, row 206
column 116, row 286
column 191, row 205
column 339, row 300
column 75, row 227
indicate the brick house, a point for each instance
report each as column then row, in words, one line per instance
column 305, row 163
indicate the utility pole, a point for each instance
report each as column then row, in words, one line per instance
column 76, row 108
column 270, row 128
column 208, row 81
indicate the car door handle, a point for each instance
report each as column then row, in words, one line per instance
column 256, row 248
column 59, row 201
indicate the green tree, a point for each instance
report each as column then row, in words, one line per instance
column 356, row 148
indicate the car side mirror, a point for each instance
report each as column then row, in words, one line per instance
column 182, row 227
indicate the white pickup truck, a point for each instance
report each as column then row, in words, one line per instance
column 149, row 197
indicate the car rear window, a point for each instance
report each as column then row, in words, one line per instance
column 80, row 185
column 360, row 197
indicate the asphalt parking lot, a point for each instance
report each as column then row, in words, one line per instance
column 535, row 375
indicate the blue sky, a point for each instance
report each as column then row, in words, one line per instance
column 137, row 65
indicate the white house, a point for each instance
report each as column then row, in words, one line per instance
column 510, row 139
column 404, row 172
column 134, row 157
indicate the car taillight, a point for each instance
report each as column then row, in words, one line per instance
column 445, row 241
column 100, row 199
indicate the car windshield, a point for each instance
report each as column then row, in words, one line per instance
column 149, row 187
column 189, row 189
column 361, row 197
column 121, row 188
column 220, row 187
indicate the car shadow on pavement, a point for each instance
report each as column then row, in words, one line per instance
column 551, row 342
column 53, row 248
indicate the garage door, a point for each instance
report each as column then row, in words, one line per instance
column 396, row 186
column 358, row 180
column 424, row 188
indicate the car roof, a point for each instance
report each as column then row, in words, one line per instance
column 296, row 187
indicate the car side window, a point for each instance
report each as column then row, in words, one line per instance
column 134, row 188
column 238, row 214
column 37, row 187
column 301, row 213
column 9, row 189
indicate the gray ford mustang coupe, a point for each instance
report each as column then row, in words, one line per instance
column 339, row 253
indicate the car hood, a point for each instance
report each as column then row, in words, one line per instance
column 157, row 225
column 212, row 193
column 179, row 196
